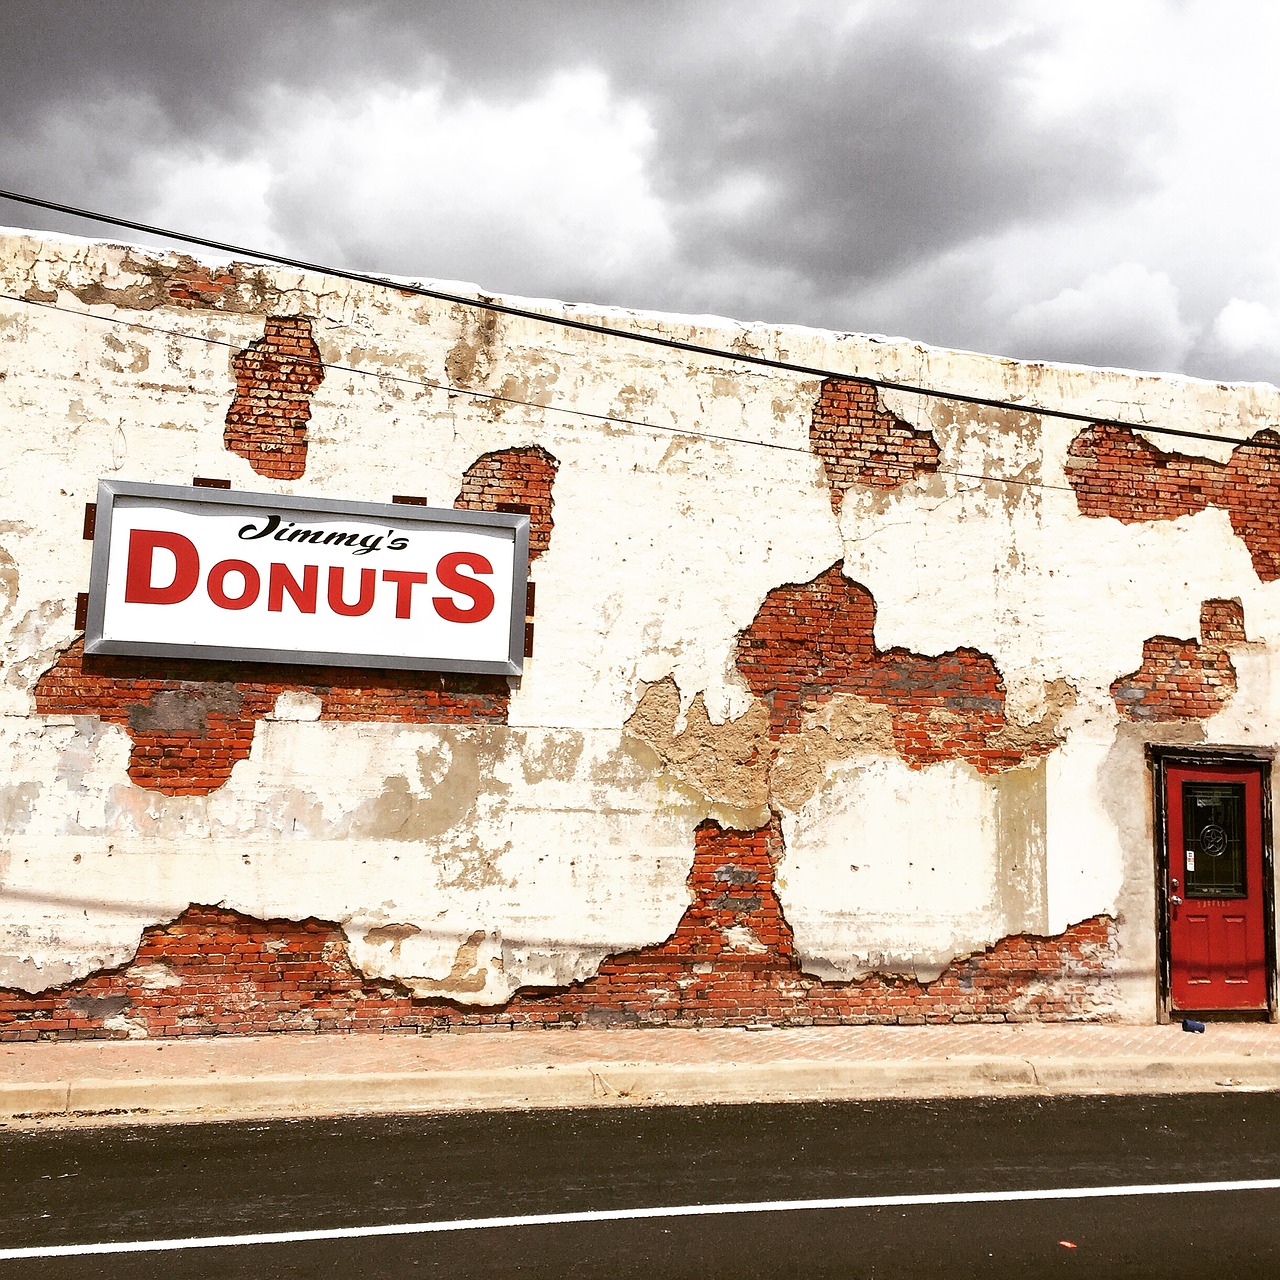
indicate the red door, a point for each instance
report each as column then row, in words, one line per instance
column 1217, row 929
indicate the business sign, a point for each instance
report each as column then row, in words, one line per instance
column 211, row 573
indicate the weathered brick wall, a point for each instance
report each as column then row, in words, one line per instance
column 514, row 479
column 860, row 442
column 191, row 722
column 810, row 641
column 275, row 380
column 1183, row 679
column 196, row 285
column 730, row 962
column 583, row 813
column 1117, row 473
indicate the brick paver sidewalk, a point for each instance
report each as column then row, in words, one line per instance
column 294, row 1074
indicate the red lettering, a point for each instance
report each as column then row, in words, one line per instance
column 368, row 585
column 143, row 545
column 479, row 593
column 218, row 579
column 405, row 583
column 302, row 593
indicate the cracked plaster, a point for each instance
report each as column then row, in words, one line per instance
column 665, row 547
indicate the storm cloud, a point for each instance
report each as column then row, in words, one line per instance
column 1091, row 184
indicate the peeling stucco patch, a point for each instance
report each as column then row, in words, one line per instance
column 297, row 705
column 391, row 934
column 8, row 583
column 465, row 975
column 125, row 357
column 451, row 776
column 843, row 726
column 144, row 292
column 1021, row 822
column 470, row 359
column 728, row 762
column 130, row 1028
column 190, row 724
column 157, row 976
column 32, row 646
column 16, row 799
column 146, row 283
column 1060, row 696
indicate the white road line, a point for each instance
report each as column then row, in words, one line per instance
column 631, row 1215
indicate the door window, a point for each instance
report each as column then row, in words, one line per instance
column 1213, row 839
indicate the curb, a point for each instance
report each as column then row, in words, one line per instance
column 611, row 1083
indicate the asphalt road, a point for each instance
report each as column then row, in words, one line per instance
column 88, row 1186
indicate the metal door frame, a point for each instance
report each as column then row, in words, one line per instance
column 1159, row 759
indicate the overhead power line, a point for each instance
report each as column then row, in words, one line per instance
column 628, row 335
column 451, row 389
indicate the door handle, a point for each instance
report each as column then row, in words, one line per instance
column 1175, row 900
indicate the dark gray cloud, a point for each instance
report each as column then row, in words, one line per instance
column 93, row 88
column 874, row 145
column 206, row 67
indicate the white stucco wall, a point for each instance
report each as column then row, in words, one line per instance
column 563, row 837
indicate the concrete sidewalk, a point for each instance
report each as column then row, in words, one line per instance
column 131, row 1080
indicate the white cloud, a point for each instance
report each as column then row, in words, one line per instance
column 225, row 198
column 1242, row 327
column 520, row 196
column 1244, row 341
column 546, row 191
column 1126, row 316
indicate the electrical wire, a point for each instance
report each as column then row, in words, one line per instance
column 629, row 335
column 383, row 375
column 451, row 389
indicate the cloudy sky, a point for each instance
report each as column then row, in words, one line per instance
column 1091, row 182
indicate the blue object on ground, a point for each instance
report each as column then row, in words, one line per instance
column 1190, row 1024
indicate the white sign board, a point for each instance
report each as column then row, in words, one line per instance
column 211, row 573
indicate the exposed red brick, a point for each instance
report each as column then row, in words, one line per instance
column 1116, row 473
column 1183, row 680
column 812, row 641
column 190, row 722
column 193, row 284
column 731, row 961
column 860, row 442
column 275, row 380
column 514, row 477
